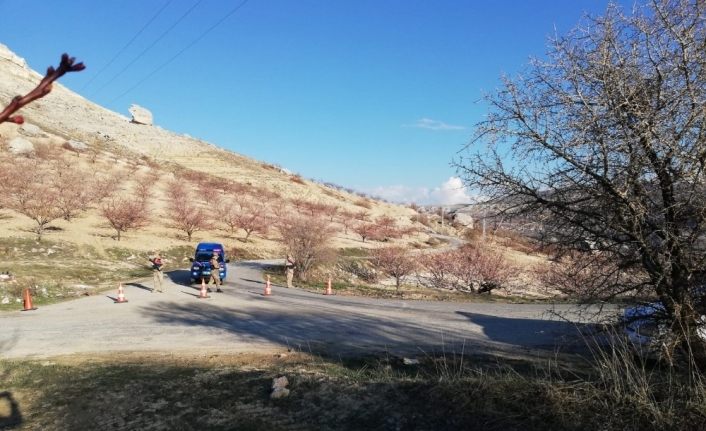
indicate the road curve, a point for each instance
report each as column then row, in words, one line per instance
column 242, row 319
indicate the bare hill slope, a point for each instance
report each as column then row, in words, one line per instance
column 65, row 128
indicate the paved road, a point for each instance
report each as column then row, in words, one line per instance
column 243, row 320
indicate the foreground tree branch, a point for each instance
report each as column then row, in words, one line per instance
column 603, row 145
column 42, row 89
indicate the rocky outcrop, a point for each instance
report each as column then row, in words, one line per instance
column 140, row 115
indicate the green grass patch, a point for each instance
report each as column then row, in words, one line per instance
column 354, row 252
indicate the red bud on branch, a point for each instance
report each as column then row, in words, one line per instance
column 42, row 89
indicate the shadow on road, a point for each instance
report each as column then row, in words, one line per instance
column 319, row 333
column 355, row 333
column 139, row 286
column 540, row 333
column 180, row 276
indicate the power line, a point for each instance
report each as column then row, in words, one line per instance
column 159, row 12
column 194, row 42
column 181, row 18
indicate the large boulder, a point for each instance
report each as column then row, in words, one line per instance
column 20, row 145
column 140, row 115
column 464, row 219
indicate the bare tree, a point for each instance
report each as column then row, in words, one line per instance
column 367, row 230
column 251, row 216
column 395, row 261
column 28, row 189
column 330, row 210
column 125, row 214
column 387, row 227
column 42, row 208
column 606, row 147
column 74, row 193
column 436, row 269
column 479, row 269
column 307, row 239
column 185, row 213
column 346, row 219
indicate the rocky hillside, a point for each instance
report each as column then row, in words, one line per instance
column 64, row 128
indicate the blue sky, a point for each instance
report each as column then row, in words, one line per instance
column 375, row 95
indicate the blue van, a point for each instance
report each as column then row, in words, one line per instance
column 200, row 266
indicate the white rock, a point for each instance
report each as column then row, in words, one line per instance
column 20, row 145
column 5, row 277
column 279, row 382
column 5, row 300
column 77, row 145
column 279, row 393
column 140, row 115
column 464, row 219
column 408, row 361
column 28, row 129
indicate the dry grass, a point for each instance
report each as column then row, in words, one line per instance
column 447, row 391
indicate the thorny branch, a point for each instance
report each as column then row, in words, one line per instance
column 41, row 90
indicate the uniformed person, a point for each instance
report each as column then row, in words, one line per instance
column 216, row 271
column 289, row 265
column 157, row 274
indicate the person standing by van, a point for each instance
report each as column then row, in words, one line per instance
column 157, row 274
column 216, row 271
column 289, row 266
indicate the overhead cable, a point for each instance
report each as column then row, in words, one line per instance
column 127, row 45
column 194, row 42
column 144, row 51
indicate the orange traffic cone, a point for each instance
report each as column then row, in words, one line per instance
column 329, row 291
column 268, row 287
column 204, row 293
column 28, row 301
column 121, row 295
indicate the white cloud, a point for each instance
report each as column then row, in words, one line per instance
column 400, row 193
column 428, row 123
column 451, row 191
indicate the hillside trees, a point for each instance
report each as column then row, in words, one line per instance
column 395, row 261
column 28, row 189
column 248, row 214
column 472, row 268
column 185, row 212
column 125, row 214
column 603, row 142
column 74, row 193
column 308, row 240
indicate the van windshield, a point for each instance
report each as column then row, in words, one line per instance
column 205, row 256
